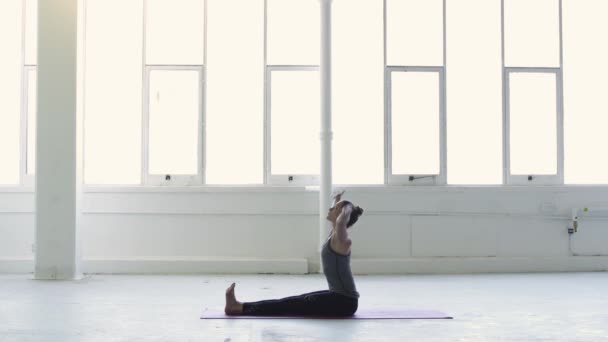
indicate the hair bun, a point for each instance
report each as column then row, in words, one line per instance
column 359, row 210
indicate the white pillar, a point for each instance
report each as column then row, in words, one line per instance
column 57, row 255
column 326, row 132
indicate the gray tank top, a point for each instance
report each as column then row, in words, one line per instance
column 337, row 271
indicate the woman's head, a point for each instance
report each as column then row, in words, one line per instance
column 334, row 212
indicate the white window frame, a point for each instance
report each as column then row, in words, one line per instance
column 27, row 179
column 281, row 179
column 416, row 179
column 534, row 179
column 169, row 179
column 508, row 178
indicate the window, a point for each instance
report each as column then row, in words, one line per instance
column 31, row 110
column 175, row 32
column 294, row 102
column 31, row 32
column 173, row 101
column 235, row 92
column 474, row 92
column 585, row 89
column 533, row 125
column 415, row 92
column 10, row 68
column 414, row 32
column 113, row 96
column 293, row 32
column 357, row 92
column 292, row 92
column 174, row 115
column 532, row 33
column 416, row 117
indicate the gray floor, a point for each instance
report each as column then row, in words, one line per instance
column 507, row 307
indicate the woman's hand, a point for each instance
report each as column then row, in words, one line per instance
column 337, row 197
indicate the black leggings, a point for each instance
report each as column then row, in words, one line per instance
column 319, row 303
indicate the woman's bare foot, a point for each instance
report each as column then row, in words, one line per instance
column 233, row 307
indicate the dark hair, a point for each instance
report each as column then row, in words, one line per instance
column 354, row 216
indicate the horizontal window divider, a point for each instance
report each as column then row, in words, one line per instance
column 360, row 188
column 292, row 67
column 175, row 66
column 533, row 69
column 174, row 180
column 414, row 68
column 298, row 180
column 363, row 188
column 415, row 179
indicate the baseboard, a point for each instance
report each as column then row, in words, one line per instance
column 444, row 265
column 189, row 265
column 467, row 265
column 16, row 265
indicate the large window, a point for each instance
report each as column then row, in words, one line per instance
column 585, row 88
column 292, row 92
column 415, row 86
column 533, row 124
column 433, row 92
column 235, row 92
column 173, row 92
column 474, row 92
column 10, row 88
column 357, row 92
column 113, row 92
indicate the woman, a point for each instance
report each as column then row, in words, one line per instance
column 342, row 297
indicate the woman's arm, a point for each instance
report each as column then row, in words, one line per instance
column 341, row 223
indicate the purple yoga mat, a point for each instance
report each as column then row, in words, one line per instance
column 360, row 314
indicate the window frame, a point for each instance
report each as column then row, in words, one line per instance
column 535, row 179
column 179, row 179
column 269, row 177
column 416, row 179
column 508, row 178
column 27, row 179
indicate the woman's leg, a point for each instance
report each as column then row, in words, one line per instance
column 318, row 303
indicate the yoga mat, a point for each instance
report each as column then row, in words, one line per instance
column 360, row 314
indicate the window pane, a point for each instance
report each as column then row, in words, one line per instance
column 295, row 119
column 113, row 92
column 293, row 32
column 585, row 89
column 235, row 92
column 175, row 32
column 474, row 92
column 414, row 32
column 533, row 124
column 532, row 33
column 415, row 122
column 31, row 111
column 31, row 32
column 10, row 91
column 358, row 107
column 174, row 121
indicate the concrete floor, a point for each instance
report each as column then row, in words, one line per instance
column 505, row 307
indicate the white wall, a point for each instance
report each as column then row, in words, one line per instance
column 267, row 230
